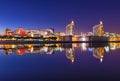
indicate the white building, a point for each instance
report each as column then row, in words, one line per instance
column 98, row 30
column 70, row 29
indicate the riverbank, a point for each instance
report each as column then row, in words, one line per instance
column 40, row 42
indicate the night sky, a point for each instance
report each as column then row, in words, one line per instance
column 36, row 14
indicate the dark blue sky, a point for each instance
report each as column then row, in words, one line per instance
column 36, row 14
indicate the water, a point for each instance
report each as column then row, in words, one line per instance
column 60, row 62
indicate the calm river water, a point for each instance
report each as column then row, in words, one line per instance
column 60, row 62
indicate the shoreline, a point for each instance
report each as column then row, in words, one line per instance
column 52, row 42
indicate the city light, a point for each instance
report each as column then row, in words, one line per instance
column 97, row 52
column 49, row 34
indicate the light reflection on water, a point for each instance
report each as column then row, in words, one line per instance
column 97, row 49
column 60, row 62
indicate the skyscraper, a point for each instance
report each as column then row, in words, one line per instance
column 70, row 29
column 98, row 30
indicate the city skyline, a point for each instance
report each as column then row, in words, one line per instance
column 35, row 14
column 59, row 40
column 68, row 35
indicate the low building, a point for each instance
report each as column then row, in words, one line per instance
column 65, row 38
column 33, row 33
column 49, row 31
column 59, row 34
column 20, row 32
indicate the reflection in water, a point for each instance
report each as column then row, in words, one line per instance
column 97, row 49
column 98, row 53
column 70, row 54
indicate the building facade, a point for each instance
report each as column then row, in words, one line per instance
column 98, row 30
column 50, row 31
column 8, row 31
column 70, row 29
column 20, row 32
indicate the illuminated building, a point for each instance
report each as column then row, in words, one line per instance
column 49, row 31
column 118, row 35
column 8, row 31
column 75, row 38
column 70, row 29
column 33, row 33
column 83, row 34
column 59, row 34
column 42, row 33
column 98, row 30
column 112, row 35
column 65, row 38
column 90, row 34
column 20, row 32
column 107, row 34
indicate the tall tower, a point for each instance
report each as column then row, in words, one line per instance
column 98, row 30
column 70, row 28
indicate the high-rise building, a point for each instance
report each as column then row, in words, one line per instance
column 70, row 29
column 98, row 30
